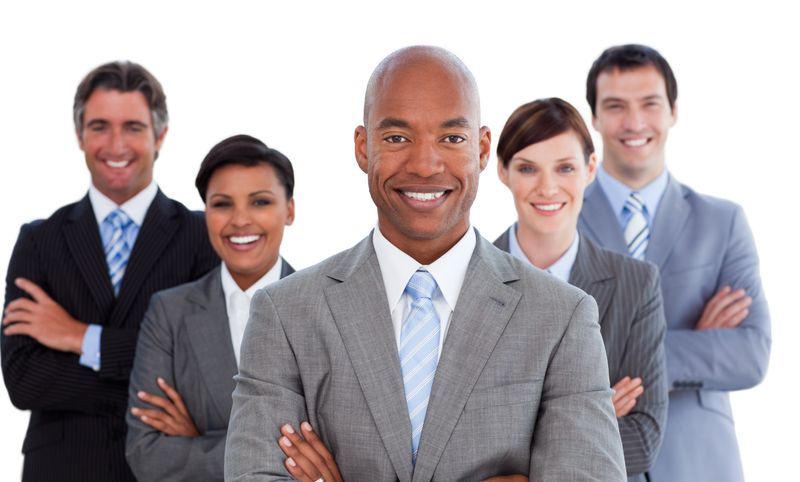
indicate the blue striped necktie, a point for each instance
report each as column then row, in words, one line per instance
column 118, row 233
column 637, row 233
column 419, row 348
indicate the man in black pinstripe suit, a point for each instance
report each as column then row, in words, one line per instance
column 70, row 320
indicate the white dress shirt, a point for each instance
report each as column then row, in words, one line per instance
column 237, row 302
column 449, row 271
column 563, row 265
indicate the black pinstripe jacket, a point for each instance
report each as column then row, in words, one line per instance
column 77, row 427
column 628, row 296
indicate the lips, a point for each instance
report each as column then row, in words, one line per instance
column 423, row 196
column 117, row 164
column 638, row 142
column 548, row 209
column 243, row 240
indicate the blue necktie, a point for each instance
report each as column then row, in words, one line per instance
column 419, row 348
column 119, row 233
column 637, row 233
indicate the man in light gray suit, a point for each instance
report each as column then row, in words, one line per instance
column 718, row 333
column 424, row 353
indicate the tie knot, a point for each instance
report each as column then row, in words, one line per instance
column 421, row 285
column 635, row 203
column 118, row 219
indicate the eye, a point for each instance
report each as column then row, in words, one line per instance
column 220, row 204
column 395, row 139
column 566, row 168
column 525, row 169
column 262, row 202
column 455, row 139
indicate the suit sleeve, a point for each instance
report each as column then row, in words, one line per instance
column 38, row 377
column 268, row 394
column 642, row 429
column 152, row 455
column 726, row 358
column 576, row 435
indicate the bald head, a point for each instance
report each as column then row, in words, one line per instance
column 427, row 63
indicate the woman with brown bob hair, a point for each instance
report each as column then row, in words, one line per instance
column 546, row 158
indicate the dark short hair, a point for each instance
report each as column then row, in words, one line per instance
column 124, row 76
column 539, row 121
column 244, row 150
column 629, row 57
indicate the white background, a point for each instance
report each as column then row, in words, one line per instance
column 294, row 76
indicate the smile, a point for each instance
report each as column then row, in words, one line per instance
column 423, row 196
column 549, row 207
column 117, row 164
column 635, row 142
column 248, row 239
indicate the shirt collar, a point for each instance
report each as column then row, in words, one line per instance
column 229, row 286
column 449, row 270
column 618, row 193
column 560, row 269
column 135, row 207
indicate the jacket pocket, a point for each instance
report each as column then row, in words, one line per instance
column 513, row 394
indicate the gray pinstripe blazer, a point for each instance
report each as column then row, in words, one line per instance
column 628, row 296
column 521, row 385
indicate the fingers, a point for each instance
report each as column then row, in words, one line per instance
column 19, row 329
column 315, row 442
column 173, row 395
column 305, row 456
column 20, row 305
column 735, row 311
column 160, row 402
column 32, row 289
column 723, row 307
column 626, row 387
column 156, row 419
column 625, row 408
column 296, row 472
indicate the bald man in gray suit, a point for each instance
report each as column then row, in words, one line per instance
column 424, row 353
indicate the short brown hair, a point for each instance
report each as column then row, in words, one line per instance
column 539, row 121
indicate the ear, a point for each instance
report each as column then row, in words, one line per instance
column 79, row 135
column 591, row 168
column 360, row 140
column 160, row 138
column 502, row 173
column 290, row 213
column 485, row 144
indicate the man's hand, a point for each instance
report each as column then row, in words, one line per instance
column 726, row 309
column 308, row 460
column 626, row 391
column 173, row 418
column 43, row 319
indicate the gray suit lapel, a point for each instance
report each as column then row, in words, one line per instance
column 210, row 339
column 591, row 274
column 673, row 212
column 484, row 307
column 598, row 218
column 361, row 312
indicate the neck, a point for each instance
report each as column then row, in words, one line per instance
column 634, row 178
column 245, row 280
column 542, row 250
column 425, row 250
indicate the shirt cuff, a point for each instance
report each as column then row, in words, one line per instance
column 90, row 348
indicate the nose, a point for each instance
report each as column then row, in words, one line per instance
column 425, row 159
column 547, row 186
column 241, row 217
column 116, row 142
column 634, row 119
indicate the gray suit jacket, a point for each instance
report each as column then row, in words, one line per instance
column 628, row 296
column 185, row 338
column 700, row 244
column 521, row 385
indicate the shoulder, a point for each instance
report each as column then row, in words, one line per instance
column 709, row 205
column 623, row 266
column 56, row 219
column 184, row 294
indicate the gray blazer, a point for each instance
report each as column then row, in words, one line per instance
column 185, row 338
column 700, row 244
column 628, row 296
column 521, row 385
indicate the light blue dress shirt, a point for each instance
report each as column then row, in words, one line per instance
column 618, row 193
column 136, row 208
column 560, row 269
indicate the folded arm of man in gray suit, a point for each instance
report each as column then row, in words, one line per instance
column 521, row 383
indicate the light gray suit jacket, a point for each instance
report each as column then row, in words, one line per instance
column 628, row 296
column 185, row 338
column 521, row 385
column 700, row 244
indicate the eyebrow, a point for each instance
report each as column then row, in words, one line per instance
column 530, row 161
column 457, row 122
column 255, row 193
column 393, row 122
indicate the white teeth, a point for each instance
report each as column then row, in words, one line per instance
column 117, row 164
column 548, row 207
column 635, row 142
column 424, row 196
column 244, row 239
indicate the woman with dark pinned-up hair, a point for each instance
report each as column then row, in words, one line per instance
column 188, row 348
column 546, row 158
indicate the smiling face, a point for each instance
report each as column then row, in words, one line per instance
column 423, row 151
column 633, row 116
column 118, row 143
column 246, row 211
column 547, row 180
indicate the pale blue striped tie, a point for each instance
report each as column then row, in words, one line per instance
column 118, row 232
column 419, row 348
column 637, row 233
